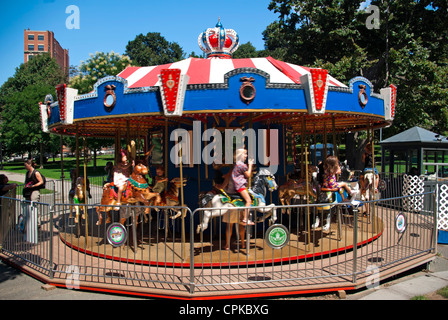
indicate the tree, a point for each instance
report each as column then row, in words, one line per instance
column 247, row 50
column 153, row 49
column 42, row 69
column 21, row 129
column 409, row 50
column 98, row 66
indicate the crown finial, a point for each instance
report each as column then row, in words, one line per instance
column 219, row 42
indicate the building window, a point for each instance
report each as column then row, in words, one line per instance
column 40, row 37
column 31, row 37
column 40, row 47
column 30, row 47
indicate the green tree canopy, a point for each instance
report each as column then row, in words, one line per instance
column 21, row 129
column 153, row 49
column 42, row 69
column 98, row 66
column 409, row 49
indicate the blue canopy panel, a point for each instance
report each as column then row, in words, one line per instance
column 112, row 104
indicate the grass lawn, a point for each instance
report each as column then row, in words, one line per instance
column 52, row 169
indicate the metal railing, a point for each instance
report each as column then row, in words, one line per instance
column 170, row 255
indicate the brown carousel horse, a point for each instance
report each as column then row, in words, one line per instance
column 137, row 191
column 170, row 197
column 77, row 196
column 292, row 187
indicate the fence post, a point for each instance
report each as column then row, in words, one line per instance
column 51, row 242
column 435, row 215
column 355, row 242
column 192, row 284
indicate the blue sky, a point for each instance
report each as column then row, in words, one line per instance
column 107, row 26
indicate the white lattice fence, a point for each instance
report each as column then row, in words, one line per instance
column 413, row 185
column 442, row 214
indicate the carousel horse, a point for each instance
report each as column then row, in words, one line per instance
column 329, row 196
column 224, row 202
column 170, row 197
column 372, row 193
column 293, row 187
column 137, row 191
column 78, row 198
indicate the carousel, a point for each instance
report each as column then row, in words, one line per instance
column 187, row 118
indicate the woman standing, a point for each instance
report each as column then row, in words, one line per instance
column 33, row 182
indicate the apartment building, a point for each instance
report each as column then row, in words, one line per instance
column 37, row 42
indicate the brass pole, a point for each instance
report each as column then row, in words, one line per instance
column 182, row 202
column 62, row 169
column 85, row 190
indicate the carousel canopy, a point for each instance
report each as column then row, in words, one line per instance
column 213, row 71
column 230, row 91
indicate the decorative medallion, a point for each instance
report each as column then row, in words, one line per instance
column 362, row 97
column 400, row 223
column 116, row 234
column 277, row 236
column 247, row 90
column 110, row 98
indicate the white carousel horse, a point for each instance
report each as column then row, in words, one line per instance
column 373, row 193
column 221, row 203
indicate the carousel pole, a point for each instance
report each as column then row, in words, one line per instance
column 62, row 169
column 85, row 190
column 315, row 144
column 302, row 157
column 325, row 142
column 206, row 144
column 182, row 202
column 335, row 150
column 307, row 200
column 77, row 152
column 374, row 224
column 166, row 146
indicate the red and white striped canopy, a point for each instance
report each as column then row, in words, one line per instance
column 205, row 71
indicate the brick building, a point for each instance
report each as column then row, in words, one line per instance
column 37, row 42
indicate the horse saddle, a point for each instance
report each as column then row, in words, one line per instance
column 237, row 200
column 114, row 191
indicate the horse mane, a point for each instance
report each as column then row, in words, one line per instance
column 259, row 186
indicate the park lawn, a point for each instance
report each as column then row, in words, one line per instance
column 52, row 169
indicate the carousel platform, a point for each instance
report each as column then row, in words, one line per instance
column 165, row 247
column 160, row 268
